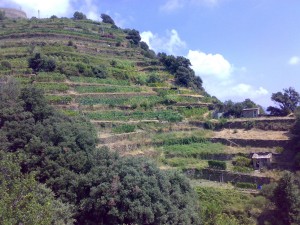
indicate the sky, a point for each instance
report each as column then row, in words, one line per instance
column 240, row 48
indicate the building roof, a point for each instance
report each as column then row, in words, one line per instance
column 257, row 156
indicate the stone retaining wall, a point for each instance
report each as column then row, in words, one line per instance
column 252, row 142
column 225, row 176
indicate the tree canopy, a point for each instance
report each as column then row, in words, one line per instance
column 2, row 15
column 79, row 16
column 287, row 102
column 180, row 67
column 107, row 19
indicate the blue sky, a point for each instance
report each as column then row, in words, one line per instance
column 240, row 48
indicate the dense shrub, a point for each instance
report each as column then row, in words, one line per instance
column 215, row 164
column 79, row 16
column 107, row 19
column 246, row 185
column 41, row 63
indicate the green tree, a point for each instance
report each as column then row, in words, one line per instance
column 25, row 201
column 2, row 15
column 107, row 19
column 134, row 36
column 134, row 191
column 79, row 16
column 287, row 102
column 41, row 63
column 287, row 200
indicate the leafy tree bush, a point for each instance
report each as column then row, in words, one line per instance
column 127, row 187
column 287, row 102
column 107, row 19
column 180, row 68
column 134, row 36
column 144, row 46
column 41, row 63
column 287, row 200
column 5, row 65
column 53, row 17
column 2, row 15
column 245, row 185
column 217, row 164
column 24, row 200
column 79, row 16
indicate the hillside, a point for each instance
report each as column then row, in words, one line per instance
column 137, row 105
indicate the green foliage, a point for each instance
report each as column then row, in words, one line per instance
column 58, row 99
column 231, row 109
column 41, row 63
column 226, row 206
column 133, row 36
column 287, row 200
column 99, row 81
column 2, row 15
column 128, row 185
column 104, row 188
column 241, row 161
column 202, row 150
column 49, row 77
column 107, row 19
column 180, row 68
column 23, row 200
column 196, row 113
column 215, row 164
column 52, row 87
column 164, row 115
column 124, row 128
column 5, row 65
column 287, row 102
column 246, row 185
column 79, row 16
column 106, row 89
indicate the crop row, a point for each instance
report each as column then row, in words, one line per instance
column 56, row 99
column 99, row 81
column 50, row 77
column 164, row 115
column 106, row 89
column 52, row 87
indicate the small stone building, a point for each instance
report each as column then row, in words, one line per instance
column 250, row 113
column 261, row 161
column 14, row 13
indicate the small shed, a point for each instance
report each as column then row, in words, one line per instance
column 261, row 161
column 250, row 112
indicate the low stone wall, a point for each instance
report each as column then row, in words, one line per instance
column 268, row 124
column 252, row 142
column 225, row 176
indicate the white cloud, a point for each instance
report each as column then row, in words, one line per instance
column 173, row 5
column 171, row 43
column 47, row 8
column 210, row 65
column 294, row 60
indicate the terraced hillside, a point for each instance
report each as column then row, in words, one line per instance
column 133, row 101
